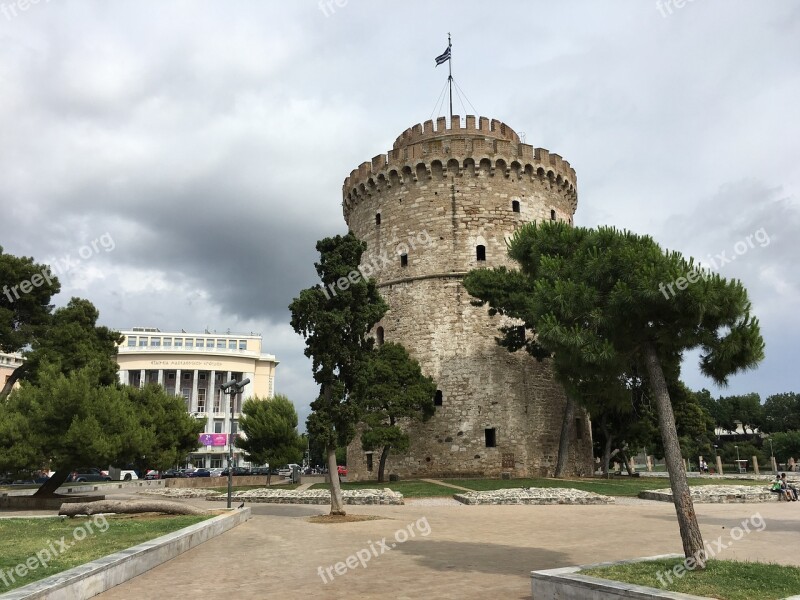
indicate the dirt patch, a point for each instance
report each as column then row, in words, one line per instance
column 342, row 518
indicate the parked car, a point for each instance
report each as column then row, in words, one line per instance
column 200, row 473
column 259, row 471
column 342, row 471
column 236, row 471
column 117, row 474
column 152, row 474
column 87, row 474
column 172, row 474
column 286, row 470
column 216, row 472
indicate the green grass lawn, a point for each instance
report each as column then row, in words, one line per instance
column 619, row 486
column 409, row 489
column 723, row 579
column 72, row 542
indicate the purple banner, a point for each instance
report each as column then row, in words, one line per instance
column 213, row 439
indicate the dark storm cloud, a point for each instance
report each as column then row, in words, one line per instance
column 211, row 140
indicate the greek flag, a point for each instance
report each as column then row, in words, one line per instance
column 443, row 57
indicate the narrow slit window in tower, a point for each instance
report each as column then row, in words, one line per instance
column 437, row 399
column 552, row 215
column 377, row 218
column 481, row 252
column 369, row 461
column 379, row 336
column 579, row 429
column 515, row 206
column 404, row 260
column 491, row 437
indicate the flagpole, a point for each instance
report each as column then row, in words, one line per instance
column 450, row 73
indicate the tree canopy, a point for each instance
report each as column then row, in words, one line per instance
column 391, row 391
column 27, row 288
column 68, row 421
column 597, row 300
column 270, row 427
column 335, row 318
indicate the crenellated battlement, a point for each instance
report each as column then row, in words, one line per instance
column 484, row 127
column 489, row 148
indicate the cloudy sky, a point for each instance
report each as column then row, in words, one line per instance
column 209, row 141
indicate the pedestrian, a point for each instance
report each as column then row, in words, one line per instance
column 787, row 486
column 777, row 488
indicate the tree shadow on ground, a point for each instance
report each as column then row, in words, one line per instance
column 482, row 557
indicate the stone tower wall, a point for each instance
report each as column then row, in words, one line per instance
column 438, row 195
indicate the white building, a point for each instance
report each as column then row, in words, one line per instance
column 195, row 365
column 8, row 364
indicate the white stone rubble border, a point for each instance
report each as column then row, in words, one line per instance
column 533, row 495
column 716, row 494
column 274, row 496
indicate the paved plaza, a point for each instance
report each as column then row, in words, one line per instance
column 468, row 552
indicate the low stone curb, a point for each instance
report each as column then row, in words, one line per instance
column 533, row 495
column 716, row 494
column 353, row 497
column 99, row 575
column 568, row 584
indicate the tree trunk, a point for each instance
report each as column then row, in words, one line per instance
column 71, row 509
column 382, row 464
column 606, row 449
column 269, row 476
column 337, row 502
column 626, row 462
column 687, row 519
column 566, row 432
column 49, row 487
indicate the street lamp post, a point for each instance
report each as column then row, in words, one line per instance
column 738, row 463
column 772, row 454
column 230, row 389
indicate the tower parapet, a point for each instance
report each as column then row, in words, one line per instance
column 484, row 143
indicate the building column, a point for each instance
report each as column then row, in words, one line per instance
column 228, row 398
column 141, row 378
column 161, row 377
column 123, row 377
column 177, row 382
column 210, row 394
column 248, row 389
column 194, row 392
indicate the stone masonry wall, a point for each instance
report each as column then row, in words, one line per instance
column 459, row 192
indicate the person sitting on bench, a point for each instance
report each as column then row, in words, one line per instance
column 777, row 488
column 787, row 486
